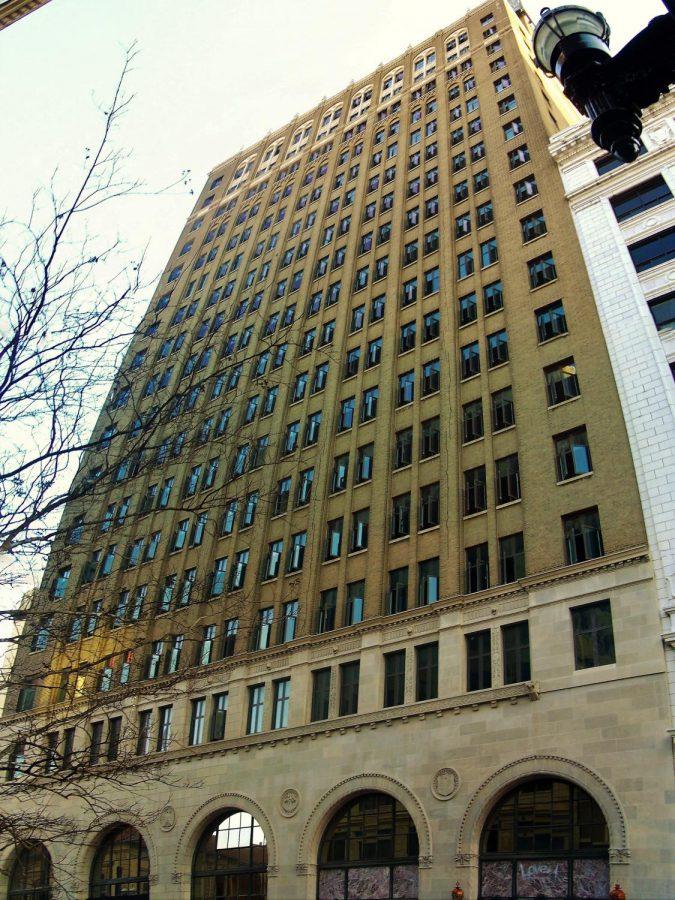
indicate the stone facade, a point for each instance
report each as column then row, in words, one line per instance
column 473, row 111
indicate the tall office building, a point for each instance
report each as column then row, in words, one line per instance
column 362, row 592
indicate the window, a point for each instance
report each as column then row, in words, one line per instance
column 583, row 537
column 340, row 470
column 326, row 611
column 481, row 180
column 197, row 718
column 364, row 463
column 468, row 308
column 511, row 129
column 640, row 198
column 320, row 694
column 426, row 671
column 397, row 597
column 230, row 629
column 394, row 678
column 431, row 377
column 593, row 635
column 431, row 241
column 551, row 321
column 533, row 226
column 289, row 621
column 470, row 360
column 273, row 559
column 461, row 192
column 256, row 709
column 507, row 478
column 498, row 348
column 304, row 488
column 403, row 448
column 164, row 729
column 477, row 568
column 653, row 251
column 282, row 701
column 400, row 516
column 312, row 429
column 374, row 353
column 238, row 573
column 542, row 269
column 484, row 213
column 369, row 404
column 516, row 652
column 429, row 508
column 478, row 661
column 205, row 646
column 430, row 435
column 608, row 163
column 377, row 305
column 352, row 362
column 406, row 388
column 354, row 602
column 561, row 381
column 472, row 421
column 428, row 582
column 475, row 494
column 573, row 456
column 358, row 538
column 431, row 281
column 511, row 558
column 333, row 545
column 503, row 413
column 349, row 688
column 218, row 717
column 296, row 551
column 465, row 264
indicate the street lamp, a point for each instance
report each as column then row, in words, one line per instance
column 572, row 44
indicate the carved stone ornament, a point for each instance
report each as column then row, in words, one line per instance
column 445, row 784
column 167, row 818
column 289, row 802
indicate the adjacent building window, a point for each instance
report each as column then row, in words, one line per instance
column 197, row 718
column 475, row 493
column 394, row 678
column 427, row 581
column 472, row 421
column 542, row 269
column 477, row 568
column 663, row 311
column 653, row 251
column 218, row 717
column 354, row 602
column 326, row 611
column 397, row 596
column 640, row 198
column 478, row 661
column 403, row 448
column 583, row 537
column 551, row 321
column 593, row 635
column 516, row 652
column 507, row 478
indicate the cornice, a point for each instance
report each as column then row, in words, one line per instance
column 13, row 10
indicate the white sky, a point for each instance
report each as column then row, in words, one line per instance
column 213, row 76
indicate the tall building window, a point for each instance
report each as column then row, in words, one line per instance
column 326, row 612
column 472, row 421
column 583, row 537
column 403, row 448
column 478, row 661
column 333, row 545
column 197, row 718
column 289, row 621
column 230, row 629
column 663, row 311
column 503, row 412
column 364, row 463
column 320, row 694
column 428, row 581
column 144, row 738
column 640, row 198
column 653, row 251
column 429, row 506
column 282, row 702
column 561, row 381
column 551, row 321
column 394, row 678
column 470, row 360
column 358, row 538
column 426, row 665
column 256, row 709
column 354, row 602
column 219, row 706
column 573, row 456
column 400, row 516
column 507, row 477
column 430, row 437
column 542, row 270
column 349, row 688
column 262, row 633
column 477, row 568
column 593, row 635
column 511, row 558
column 164, row 728
column 475, row 491
column 397, row 596
column 516, row 652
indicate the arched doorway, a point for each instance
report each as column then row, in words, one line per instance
column 545, row 838
column 31, row 874
column 231, row 859
column 121, row 867
column 369, row 850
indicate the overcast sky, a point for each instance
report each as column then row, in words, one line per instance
column 212, row 77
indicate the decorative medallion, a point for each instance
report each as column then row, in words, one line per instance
column 167, row 818
column 289, row 803
column 445, row 784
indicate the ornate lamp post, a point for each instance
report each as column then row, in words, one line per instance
column 572, row 44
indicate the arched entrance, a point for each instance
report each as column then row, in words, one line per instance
column 231, row 859
column 121, row 866
column 545, row 838
column 369, row 850
column 30, row 878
